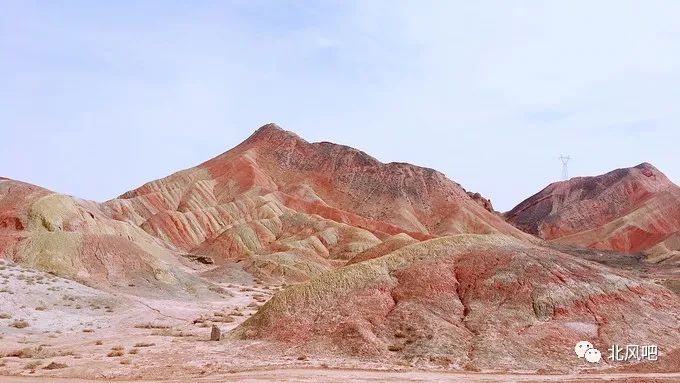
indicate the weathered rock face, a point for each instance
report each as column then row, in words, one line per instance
column 312, row 204
column 484, row 202
column 628, row 210
column 288, row 208
column 393, row 262
column 470, row 301
column 387, row 246
column 76, row 239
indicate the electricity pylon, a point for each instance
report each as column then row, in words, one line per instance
column 565, row 170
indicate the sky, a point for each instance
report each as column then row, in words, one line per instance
column 97, row 98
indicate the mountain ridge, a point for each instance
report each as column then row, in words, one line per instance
column 628, row 210
column 291, row 248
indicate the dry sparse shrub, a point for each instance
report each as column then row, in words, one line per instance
column 395, row 347
column 302, row 357
column 117, row 348
column 170, row 332
column 19, row 323
column 88, row 330
column 32, row 365
column 133, row 351
column 5, row 316
column 41, row 308
column 152, row 326
column 144, row 344
column 218, row 290
column 55, row 366
column 125, row 361
column 99, row 342
column 35, row 353
column 115, row 353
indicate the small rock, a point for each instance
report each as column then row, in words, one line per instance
column 200, row 258
column 215, row 333
column 54, row 366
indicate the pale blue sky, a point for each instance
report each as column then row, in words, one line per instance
column 97, row 98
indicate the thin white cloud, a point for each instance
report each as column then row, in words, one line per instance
column 488, row 92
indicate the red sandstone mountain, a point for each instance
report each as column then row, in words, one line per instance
column 300, row 208
column 288, row 208
column 395, row 262
column 485, row 302
column 76, row 239
column 628, row 210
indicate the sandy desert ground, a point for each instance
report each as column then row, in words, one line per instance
column 328, row 375
column 77, row 334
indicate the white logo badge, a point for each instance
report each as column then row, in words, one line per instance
column 582, row 347
column 593, row 356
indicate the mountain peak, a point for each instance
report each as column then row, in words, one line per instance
column 271, row 132
column 638, row 201
column 335, row 181
column 270, row 127
column 649, row 170
column 643, row 173
column 645, row 165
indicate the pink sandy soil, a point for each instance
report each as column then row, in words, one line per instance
column 346, row 375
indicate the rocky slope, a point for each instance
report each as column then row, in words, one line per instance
column 469, row 302
column 391, row 264
column 274, row 206
column 280, row 201
column 76, row 239
column 627, row 210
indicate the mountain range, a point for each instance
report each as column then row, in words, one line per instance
column 385, row 262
